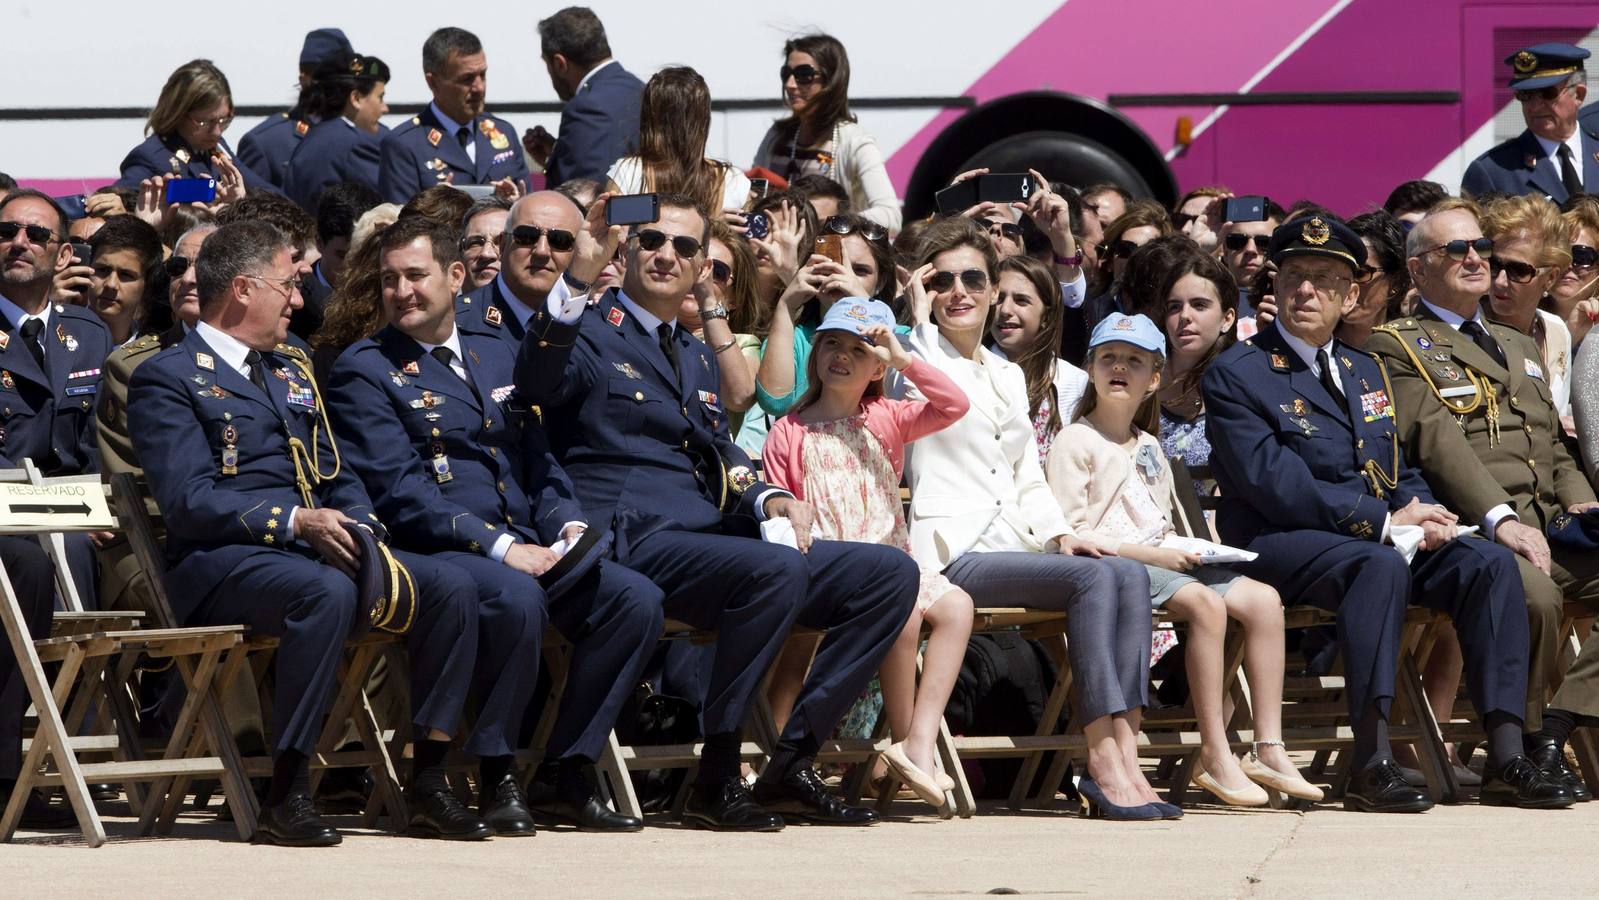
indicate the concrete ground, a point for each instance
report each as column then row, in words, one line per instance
column 1451, row 851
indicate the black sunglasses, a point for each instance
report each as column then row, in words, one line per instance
column 1517, row 272
column 1548, row 95
column 528, row 236
column 847, row 225
column 1583, row 256
column 1236, row 241
column 802, row 74
column 650, row 240
column 974, row 279
column 721, row 272
column 176, row 266
column 1367, row 274
column 1458, row 248
column 1180, row 221
column 1007, row 230
column 37, row 234
column 1124, row 248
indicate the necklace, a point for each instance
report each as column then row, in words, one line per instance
column 824, row 157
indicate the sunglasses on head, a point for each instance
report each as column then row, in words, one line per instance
column 528, row 236
column 176, row 266
column 1549, row 94
column 651, row 240
column 974, row 279
column 1583, row 256
column 1458, row 248
column 721, row 272
column 37, row 234
column 845, row 225
column 802, row 74
column 1517, row 272
column 1236, row 241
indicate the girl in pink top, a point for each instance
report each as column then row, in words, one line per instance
column 842, row 449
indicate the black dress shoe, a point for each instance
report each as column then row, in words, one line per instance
column 726, row 805
column 801, row 795
column 39, row 815
column 505, row 809
column 295, row 823
column 1551, row 760
column 1382, row 789
column 590, row 815
column 438, row 813
column 1521, row 783
column 344, row 790
column 102, row 794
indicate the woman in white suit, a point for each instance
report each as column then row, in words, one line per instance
column 980, row 510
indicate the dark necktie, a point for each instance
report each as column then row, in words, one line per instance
column 1483, row 339
column 1329, row 378
column 1568, row 172
column 252, row 361
column 464, row 136
column 669, row 347
column 30, row 335
column 447, row 356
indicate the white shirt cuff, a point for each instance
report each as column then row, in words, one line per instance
column 502, row 546
column 292, row 511
column 1074, row 294
column 563, row 306
column 760, row 501
column 1387, row 528
column 1491, row 520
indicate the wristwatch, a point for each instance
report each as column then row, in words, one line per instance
column 713, row 312
column 580, row 287
column 1073, row 261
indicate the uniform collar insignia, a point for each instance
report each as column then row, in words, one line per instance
column 616, row 317
column 5, row 339
column 411, row 368
column 1279, row 362
column 204, row 361
column 434, row 136
column 492, row 315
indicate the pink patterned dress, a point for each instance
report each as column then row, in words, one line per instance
column 850, row 481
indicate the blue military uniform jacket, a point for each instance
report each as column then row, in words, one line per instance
column 421, row 153
column 172, row 156
column 48, row 416
column 1287, row 456
column 485, row 310
column 598, row 126
column 645, row 450
column 267, row 147
column 332, row 152
column 1519, row 166
column 451, row 465
column 219, row 461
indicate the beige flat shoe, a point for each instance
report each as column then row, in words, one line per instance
column 947, row 783
column 1293, row 785
column 925, row 785
column 1254, row 795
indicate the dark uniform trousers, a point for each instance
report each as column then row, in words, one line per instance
column 396, row 406
column 1297, row 467
column 646, row 446
column 33, row 580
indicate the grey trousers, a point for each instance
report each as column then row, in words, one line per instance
column 1107, row 604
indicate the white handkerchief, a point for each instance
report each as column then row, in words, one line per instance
column 779, row 530
column 1407, row 538
column 1209, row 552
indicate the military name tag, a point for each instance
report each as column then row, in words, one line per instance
column 1465, row 390
column 76, row 390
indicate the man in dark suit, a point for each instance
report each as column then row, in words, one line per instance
column 260, row 513
column 1312, row 477
column 454, row 140
column 599, row 123
column 1558, row 154
column 50, row 360
column 460, row 469
column 266, row 148
column 630, row 401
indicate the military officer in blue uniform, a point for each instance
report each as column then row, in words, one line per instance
column 185, row 128
column 267, row 147
column 453, row 140
column 543, row 240
column 1558, row 153
column 1313, row 478
column 50, row 359
column 259, row 508
column 630, row 402
column 346, row 96
column 460, row 468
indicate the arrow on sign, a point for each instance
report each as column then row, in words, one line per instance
column 80, row 509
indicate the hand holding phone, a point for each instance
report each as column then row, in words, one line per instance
column 632, row 209
column 758, row 225
column 832, row 247
column 1244, row 209
column 191, row 190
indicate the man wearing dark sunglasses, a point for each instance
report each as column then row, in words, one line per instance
column 1475, row 413
column 535, row 248
column 1554, row 156
column 1244, row 251
column 630, row 402
column 50, row 360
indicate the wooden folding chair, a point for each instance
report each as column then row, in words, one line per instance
column 1579, row 621
column 84, row 654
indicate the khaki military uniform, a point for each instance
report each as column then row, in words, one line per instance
column 1486, row 434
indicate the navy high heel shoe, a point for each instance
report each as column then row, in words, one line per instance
column 1096, row 805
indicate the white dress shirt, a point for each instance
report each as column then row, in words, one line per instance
column 1550, row 148
column 16, row 317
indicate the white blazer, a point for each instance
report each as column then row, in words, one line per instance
column 978, row 483
column 859, row 166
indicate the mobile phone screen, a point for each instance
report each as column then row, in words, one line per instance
column 632, row 209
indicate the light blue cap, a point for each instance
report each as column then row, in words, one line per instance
column 1135, row 330
column 855, row 315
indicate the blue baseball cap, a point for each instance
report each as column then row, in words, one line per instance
column 1135, row 330
column 1543, row 65
column 855, row 315
column 322, row 44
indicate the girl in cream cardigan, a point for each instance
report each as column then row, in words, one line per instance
column 1111, row 479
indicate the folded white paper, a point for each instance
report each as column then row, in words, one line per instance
column 1209, row 552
